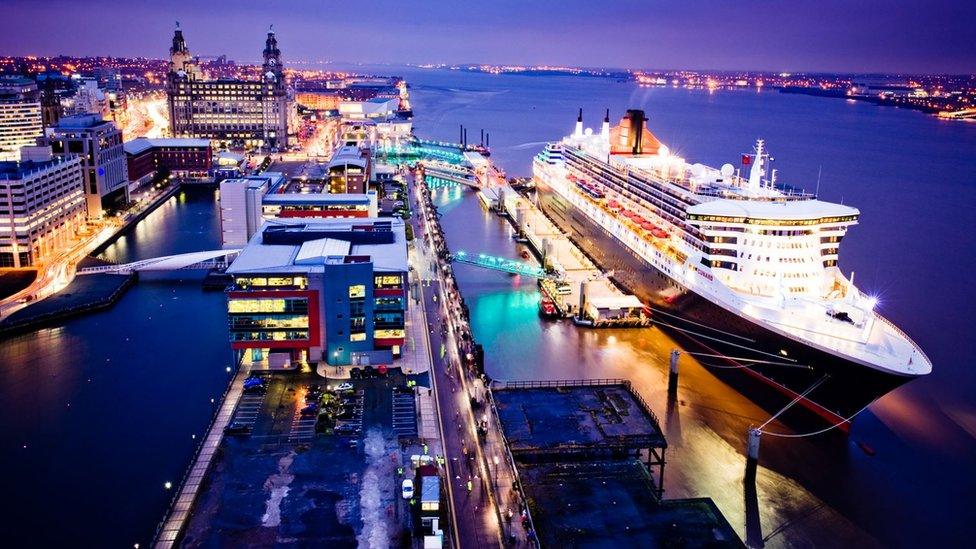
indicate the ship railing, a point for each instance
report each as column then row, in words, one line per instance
column 899, row 331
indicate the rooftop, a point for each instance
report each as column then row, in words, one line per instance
column 81, row 121
column 296, row 246
column 143, row 144
column 11, row 170
column 612, row 504
column 560, row 417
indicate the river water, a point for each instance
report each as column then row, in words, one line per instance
column 99, row 411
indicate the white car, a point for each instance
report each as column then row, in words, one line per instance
column 344, row 387
column 407, row 489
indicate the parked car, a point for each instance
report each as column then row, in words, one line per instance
column 259, row 389
column 237, row 428
column 344, row 387
column 406, row 488
column 310, row 410
column 355, row 373
column 253, row 382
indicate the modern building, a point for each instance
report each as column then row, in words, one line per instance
column 99, row 145
column 20, row 116
column 185, row 158
column 42, row 206
column 349, row 170
column 246, row 203
column 233, row 112
column 324, row 290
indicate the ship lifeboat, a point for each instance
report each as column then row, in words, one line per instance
column 659, row 233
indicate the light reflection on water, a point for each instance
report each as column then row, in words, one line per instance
column 705, row 425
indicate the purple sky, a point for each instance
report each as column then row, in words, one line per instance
column 928, row 36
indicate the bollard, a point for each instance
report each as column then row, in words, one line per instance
column 753, row 445
column 673, row 372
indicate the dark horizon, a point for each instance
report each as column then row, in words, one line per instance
column 873, row 37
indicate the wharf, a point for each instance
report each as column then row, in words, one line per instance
column 84, row 294
column 179, row 512
column 556, row 251
column 586, row 453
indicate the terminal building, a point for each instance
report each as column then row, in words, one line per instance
column 236, row 113
column 42, row 206
column 99, row 145
column 246, row 203
column 328, row 290
column 186, row 158
column 20, row 116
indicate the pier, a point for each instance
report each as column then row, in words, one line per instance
column 586, row 447
column 580, row 289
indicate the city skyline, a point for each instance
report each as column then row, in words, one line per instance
column 869, row 37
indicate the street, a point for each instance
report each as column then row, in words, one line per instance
column 482, row 495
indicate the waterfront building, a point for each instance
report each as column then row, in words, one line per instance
column 99, row 145
column 42, row 205
column 234, row 112
column 331, row 290
column 245, row 203
column 91, row 96
column 349, row 170
column 184, row 158
column 377, row 107
column 20, row 116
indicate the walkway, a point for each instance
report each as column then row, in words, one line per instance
column 179, row 511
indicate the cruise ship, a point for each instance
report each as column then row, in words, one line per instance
column 739, row 268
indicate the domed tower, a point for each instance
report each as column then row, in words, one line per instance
column 180, row 60
column 271, row 70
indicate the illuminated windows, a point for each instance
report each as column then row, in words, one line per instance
column 357, row 291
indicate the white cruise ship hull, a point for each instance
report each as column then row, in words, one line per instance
column 843, row 387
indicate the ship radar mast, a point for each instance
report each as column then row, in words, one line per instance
column 758, row 169
column 579, row 124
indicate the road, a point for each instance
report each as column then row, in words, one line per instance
column 478, row 511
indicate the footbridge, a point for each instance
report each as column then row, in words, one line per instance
column 503, row 264
column 210, row 259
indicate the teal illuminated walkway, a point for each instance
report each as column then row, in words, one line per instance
column 502, row 264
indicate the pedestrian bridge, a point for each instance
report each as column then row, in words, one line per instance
column 502, row 264
column 194, row 260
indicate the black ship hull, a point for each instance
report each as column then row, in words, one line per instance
column 843, row 388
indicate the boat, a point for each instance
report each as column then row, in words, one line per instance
column 742, row 270
column 547, row 309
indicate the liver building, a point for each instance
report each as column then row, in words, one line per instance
column 232, row 112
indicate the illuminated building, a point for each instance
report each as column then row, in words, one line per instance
column 20, row 116
column 42, row 206
column 146, row 157
column 99, row 145
column 325, row 290
column 246, row 203
column 234, row 112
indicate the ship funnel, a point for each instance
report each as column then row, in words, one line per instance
column 635, row 135
column 579, row 124
column 605, row 130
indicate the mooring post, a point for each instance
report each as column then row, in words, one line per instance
column 673, row 372
column 753, row 445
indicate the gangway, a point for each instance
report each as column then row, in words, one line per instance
column 209, row 259
column 504, row 265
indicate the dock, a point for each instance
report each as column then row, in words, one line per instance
column 590, row 459
column 584, row 292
